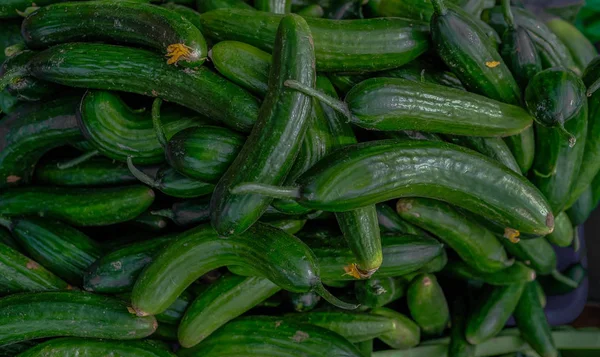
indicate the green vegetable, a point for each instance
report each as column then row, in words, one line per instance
column 459, row 346
column 274, row 6
column 494, row 148
column 563, row 233
column 427, row 304
column 98, row 171
column 61, row 347
column 516, row 273
column 12, row 8
column 377, row 292
column 580, row 48
column 390, row 221
column 551, row 286
column 208, row 5
column 22, row 86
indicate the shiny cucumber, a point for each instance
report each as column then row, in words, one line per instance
column 563, row 233
column 516, row 273
column 494, row 148
column 97, row 171
column 427, row 304
column 68, row 347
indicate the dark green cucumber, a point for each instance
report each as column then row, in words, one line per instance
column 427, row 304
column 271, row 336
column 533, row 324
column 586, row 203
column 459, row 346
column 406, row 333
column 109, row 67
column 187, row 13
column 7, row 239
column 494, row 148
column 390, row 221
column 473, row 242
column 522, row 147
column 186, row 213
column 471, row 56
column 9, row 35
column 423, row 70
column 208, row 5
column 63, row 347
column 551, row 286
column 118, row 271
column 379, row 292
column 21, row 274
column 274, row 6
column 174, row 313
column 30, row 316
column 148, row 222
column 581, row 49
column 13, row 8
column 387, row 169
column 78, row 206
column 97, row 171
column 25, row 87
column 225, row 299
column 274, row 254
column 290, row 226
column 117, row 21
column 16, row 348
column 563, row 233
column 516, row 273
column 492, row 312
column 63, row 250
column 340, row 45
column 276, row 139
column 170, row 182
column 31, row 131
column 302, row 302
column 117, row 131
column 417, row 9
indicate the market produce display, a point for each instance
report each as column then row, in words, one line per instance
column 302, row 178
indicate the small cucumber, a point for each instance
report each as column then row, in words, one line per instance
column 406, row 334
column 64, row 347
column 552, row 287
column 459, row 346
column 171, row 182
column 377, row 292
column 98, row 171
column 494, row 148
column 580, row 48
column 492, row 312
column 78, row 206
column 225, row 299
column 563, row 233
column 516, row 273
column 390, row 221
column 427, row 304
column 30, row 316
column 135, row 23
column 271, row 336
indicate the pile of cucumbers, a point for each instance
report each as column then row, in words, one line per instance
column 292, row 178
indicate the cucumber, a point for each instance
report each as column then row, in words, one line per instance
column 188, row 13
column 406, row 334
column 274, row 6
column 271, row 336
column 302, row 302
column 16, row 348
column 98, row 171
column 186, row 213
column 377, row 44
column 290, row 226
column 21, row 274
column 474, row 243
column 581, row 49
column 492, row 312
column 7, row 239
column 522, row 147
column 552, row 287
column 390, row 221
column 110, row 67
column 208, row 5
column 30, row 316
column 586, row 203
column 314, row 10
column 117, row 21
column 66, row 347
column 175, row 312
column 379, row 292
column 516, row 273
column 11, row 8
column 32, row 130
column 171, row 182
column 423, row 70
column 427, row 304
column 276, row 139
column 563, row 233
column 63, row 250
column 78, row 206
column 166, row 333
column 459, row 346
column 225, row 299
column 494, row 148
column 25, row 87
column 9, row 35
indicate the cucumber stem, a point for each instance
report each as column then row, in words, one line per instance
column 157, row 124
column 508, row 15
column 334, row 103
column 564, row 279
column 141, row 175
column 167, row 213
column 439, row 7
column 14, row 49
column 572, row 139
column 5, row 222
column 267, row 190
column 593, row 87
column 325, row 294
column 78, row 160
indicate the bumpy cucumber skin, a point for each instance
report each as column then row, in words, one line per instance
column 51, row 314
column 109, row 67
column 361, row 231
column 29, row 132
column 581, row 49
column 80, row 347
column 493, row 310
column 520, row 55
column 275, row 140
column 60, row 248
column 122, row 22
column 400, row 104
column 379, row 292
column 78, row 206
column 225, row 299
column 563, row 233
column 94, row 172
column 340, row 45
column 266, row 335
column 427, row 304
column 516, row 273
column 494, row 148
column 536, row 253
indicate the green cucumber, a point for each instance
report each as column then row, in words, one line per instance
column 166, row 333
column 377, row 44
column 186, row 213
column 390, row 221
column 276, row 139
column 21, row 274
column 7, row 239
column 16, row 348
column 271, row 336
column 9, row 35
column 379, row 292
column 376, row 171
column 30, row 316
column 109, row 67
column 274, row 6
column 563, row 233
column 494, row 148
column 187, row 13
column 580, row 48
column 63, row 250
column 78, row 206
column 25, row 87
column 171, row 182
column 13, row 8
column 175, row 312
column 98, row 171
column 276, row 255
column 523, row 148
column 586, row 203
column 459, row 346
column 64, row 347
column 423, row 70
column 516, row 273
column 208, row 5
column 492, row 312
column 31, row 131
column 118, row 271
column 406, row 333
column 533, row 324
column 314, row 10
column 427, row 304
column 551, row 286
column 417, row 9
column 122, row 22
column 474, row 243
column 290, row 226
column 225, row 299
column 302, row 302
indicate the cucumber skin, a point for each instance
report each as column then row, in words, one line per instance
column 494, row 148
column 340, row 45
column 581, row 49
column 516, row 273
column 406, row 334
column 427, row 304
column 520, row 55
column 375, row 293
column 390, row 221
column 101, row 206
column 25, row 87
column 536, row 253
column 522, row 147
column 459, row 346
column 174, row 184
column 79, row 347
column 109, row 67
column 208, row 5
column 563, row 233
column 52, row 314
column 94, row 172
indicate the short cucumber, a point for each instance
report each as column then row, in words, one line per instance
column 65, row 347
column 65, row 251
column 563, row 233
column 377, row 44
column 494, row 148
column 30, row 316
column 551, row 286
column 580, row 48
column 21, row 274
column 406, row 334
column 390, row 221
column 377, row 292
column 135, row 23
column 270, row 335
column 516, row 273
column 427, row 304
column 97, row 171
column 109, row 67
column 225, row 299
column 78, row 206
column 172, row 183
column 459, row 346
column 474, row 243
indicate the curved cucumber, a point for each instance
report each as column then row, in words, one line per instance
column 78, row 206
column 427, row 304
column 127, row 22
column 406, row 334
column 52, row 314
column 516, row 273
column 563, row 233
column 97, row 171
column 379, row 292
column 66, row 347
